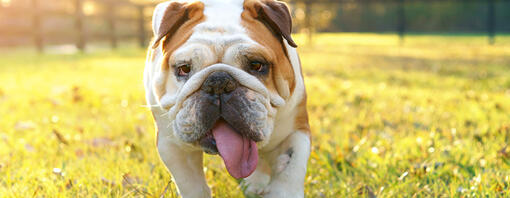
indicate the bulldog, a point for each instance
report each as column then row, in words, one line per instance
column 223, row 77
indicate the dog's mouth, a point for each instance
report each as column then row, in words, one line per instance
column 239, row 152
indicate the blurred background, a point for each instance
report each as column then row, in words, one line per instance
column 80, row 23
column 405, row 97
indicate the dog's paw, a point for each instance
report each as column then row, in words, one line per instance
column 277, row 190
column 255, row 191
column 282, row 194
column 255, row 185
column 253, row 195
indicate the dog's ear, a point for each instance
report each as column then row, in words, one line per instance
column 275, row 15
column 169, row 16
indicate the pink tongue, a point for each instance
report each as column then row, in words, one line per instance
column 239, row 153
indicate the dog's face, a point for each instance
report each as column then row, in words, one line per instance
column 224, row 76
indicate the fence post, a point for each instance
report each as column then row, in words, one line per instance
column 36, row 23
column 401, row 21
column 141, row 23
column 491, row 21
column 80, row 42
column 110, row 18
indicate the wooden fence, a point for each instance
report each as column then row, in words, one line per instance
column 32, row 18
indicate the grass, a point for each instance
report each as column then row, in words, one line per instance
column 427, row 118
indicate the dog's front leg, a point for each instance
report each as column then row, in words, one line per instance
column 186, row 167
column 288, row 164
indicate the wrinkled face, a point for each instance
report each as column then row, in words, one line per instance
column 227, row 87
column 223, row 68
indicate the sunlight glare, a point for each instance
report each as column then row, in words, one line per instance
column 5, row 3
column 89, row 8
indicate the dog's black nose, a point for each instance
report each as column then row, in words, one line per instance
column 219, row 82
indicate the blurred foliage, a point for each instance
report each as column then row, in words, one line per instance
column 320, row 16
column 420, row 16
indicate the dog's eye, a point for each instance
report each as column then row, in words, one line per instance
column 183, row 70
column 258, row 66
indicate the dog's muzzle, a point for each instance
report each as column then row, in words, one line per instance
column 218, row 88
column 221, row 100
column 231, row 119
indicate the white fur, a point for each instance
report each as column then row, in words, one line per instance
column 284, row 175
column 223, row 12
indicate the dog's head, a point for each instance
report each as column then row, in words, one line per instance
column 224, row 73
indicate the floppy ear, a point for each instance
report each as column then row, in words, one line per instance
column 169, row 16
column 276, row 16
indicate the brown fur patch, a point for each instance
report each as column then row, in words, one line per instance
column 176, row 15
column 274, row 14
column 195, row 15
column 259, row 32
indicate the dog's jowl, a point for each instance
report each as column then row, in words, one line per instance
column 223, row 77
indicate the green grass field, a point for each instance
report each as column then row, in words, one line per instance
column 428, row 118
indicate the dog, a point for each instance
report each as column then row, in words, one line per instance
column 224, row 77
